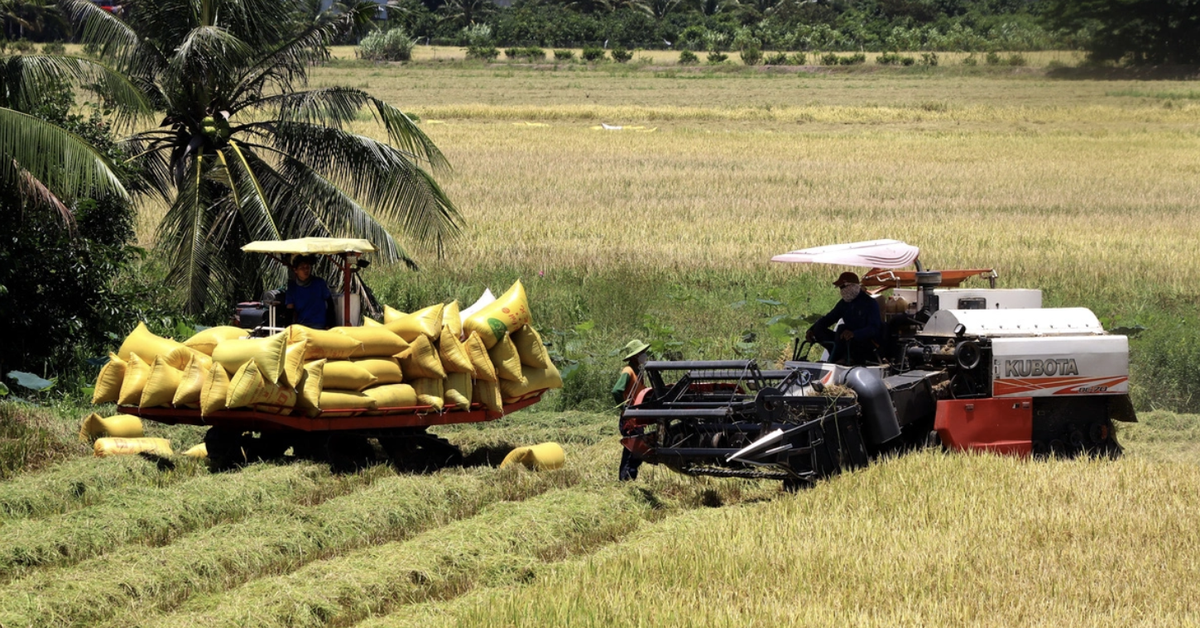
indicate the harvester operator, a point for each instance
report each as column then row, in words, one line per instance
column 625, row 392
column 857, row 338
column 308, row 297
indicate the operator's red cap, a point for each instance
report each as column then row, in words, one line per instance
column 845, row 278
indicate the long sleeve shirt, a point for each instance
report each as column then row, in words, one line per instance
column 861, row 316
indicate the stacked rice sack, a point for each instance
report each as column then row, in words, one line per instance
column 436, row 358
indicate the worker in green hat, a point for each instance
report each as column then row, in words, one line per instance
column 625, row 393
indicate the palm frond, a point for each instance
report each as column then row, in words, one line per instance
column 114, row 38
column 248, row 194
column 208, row 61
column 64, row 162
column 34, row 73
column 404, row 132
column 286, row 66
column 190, row 234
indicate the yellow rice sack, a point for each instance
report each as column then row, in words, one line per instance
column 325, row 344
column 371, row 323
column 535, row 380
column 457, row 391
column 293, row 363
column 506, row 314
column 207, row 340
column 214, row 391
column 197, row 451
column 504, row 357
column 377, row 342
column 120, row 425
column 391, row 396
column 385, row 370
column 488, row 394
column 391, row 314
column 424, row 322
column 453, row 354
column 542, row 457
column 429, row 393
column 269, row 353
column 421, row 360
column 137, row 372
column 530, row 347
column 187, row 395
column 161, row 385
column 129, row 446
column 181, row 356
column 309, row 390
column 345, row 400
column 478, row 355
column 147, row 345
column 249, row 388
column 108, row 383
column 346, row 375
column 451, row 318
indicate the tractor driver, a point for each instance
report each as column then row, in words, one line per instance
column 856, row 339
column 308, row 297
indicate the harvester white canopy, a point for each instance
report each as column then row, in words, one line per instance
column 310, row 246
column 872, row 254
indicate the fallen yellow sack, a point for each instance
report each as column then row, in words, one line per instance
column 451, row 318
column 506, row 314
column 214, row 391
column 377, row 342
column 346, row 375
column 309, row 390
column 391, row 314
column 187, row 395
column 421, row 360
column 128, row 446
column 385, row 370
column 457, row 391
column 504, row 357
column 478, row 355
column 207, row 340
column 392, row 396
column 250, row 389
column 293, row 363
column 145, row 344
column 137, row 372
column 180, row 356
column 543, row 457
column 424, row 322
column 488, row 394
column 108, row 383
column 530, row 347
column 535, row 380
column 453, row 354
column 197, row 451
column 269, row 353
column 345, row 400
column 325, row 344
column 120, row 425
column 161, row 385
column 429, row 392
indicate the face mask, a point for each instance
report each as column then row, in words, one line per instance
column 850, row 291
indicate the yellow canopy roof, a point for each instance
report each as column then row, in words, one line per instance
column 313, row 246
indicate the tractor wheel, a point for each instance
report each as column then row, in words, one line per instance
column 267, row 446
column 224, row 447
column 344, row 452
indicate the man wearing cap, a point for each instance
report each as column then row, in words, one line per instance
column 308, row 297
column 858, row 336
column 625, row 392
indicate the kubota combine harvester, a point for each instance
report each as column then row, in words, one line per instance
column 966, row 368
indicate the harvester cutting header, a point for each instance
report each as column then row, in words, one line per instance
column 969, row 368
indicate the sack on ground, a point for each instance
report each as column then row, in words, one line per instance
column 488, row 394
column 429, row 392
column 421, row 360
column 120, row 425
column 507, row 314
column 269, row 353
column 214, row 391
column 530, row 347
column 504, row 357
column 535, row 380
column 392, row 396
column 346, row 375
column 424, row 322
column 453, row 355
column 377, row 342
column 161, row 385
column 197, row 451
column 108, row 382
column 542, row 457
column 187, row 395
column 457, row 391
column 207, row 340
column 323, row 344
column 480, row 360
column 137, row 372
column 147, row 345
column 130, row 446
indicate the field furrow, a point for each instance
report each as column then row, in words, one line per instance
column 505, row 543
column 83, row 482
column 154, row 516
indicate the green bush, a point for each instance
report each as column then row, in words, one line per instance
column 621, row 55
column 970, row 60
column 830, row 58
column 1016, row 59
column 857, row 58
column 715, row 57
column 751, row 55
column 798, row 58
column 906, row 61
column 532, row 53
column 54, row 48
column 390, row 45
column 929, row 59
column 888, row 58
column 992, row 58
column 687, row 57
column 593, row 53
column 484, row 53
column 778, row 58
column 22, row 45
column 564, row 55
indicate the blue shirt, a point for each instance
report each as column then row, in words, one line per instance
column 861, row 316
column 308, row 302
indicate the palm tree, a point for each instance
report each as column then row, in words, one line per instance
column 244, row 153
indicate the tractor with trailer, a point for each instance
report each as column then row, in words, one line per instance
column 963, row 368
column 339, row 436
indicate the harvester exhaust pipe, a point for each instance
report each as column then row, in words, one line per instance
column 879, row 417
column 927, row 301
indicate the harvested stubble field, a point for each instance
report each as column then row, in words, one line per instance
column 1086, row 189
